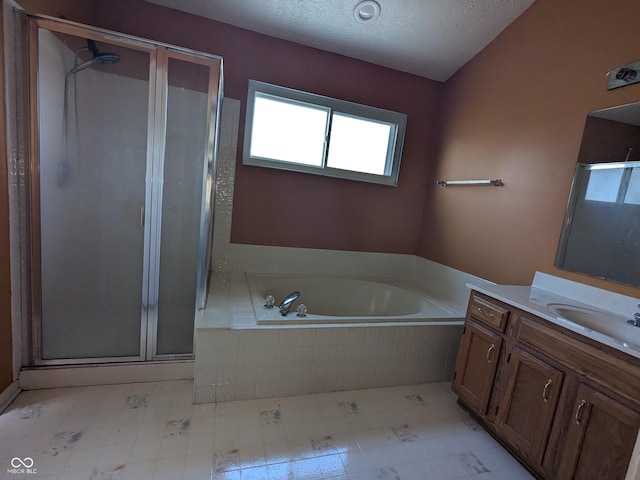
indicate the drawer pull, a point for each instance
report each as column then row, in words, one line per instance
column 578, row 410
column 491, row 349
column 545, row 392
column 482, row 312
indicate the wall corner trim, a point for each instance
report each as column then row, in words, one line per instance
column 9, row 394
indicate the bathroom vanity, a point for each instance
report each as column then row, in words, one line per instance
column 554, row 379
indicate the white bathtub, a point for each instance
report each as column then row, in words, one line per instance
column 346, row 300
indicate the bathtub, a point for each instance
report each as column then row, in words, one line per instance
column 347, row 300
column 363, row 329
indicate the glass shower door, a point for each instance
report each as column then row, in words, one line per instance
column 191, row 82
column 90, row 195
column 120, row 201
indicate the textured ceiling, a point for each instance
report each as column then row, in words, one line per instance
column 429, row 38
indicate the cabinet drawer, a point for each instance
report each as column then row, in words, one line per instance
column 489, row 313
column 586, row 360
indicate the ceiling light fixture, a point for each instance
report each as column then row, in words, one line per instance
column 367, row 11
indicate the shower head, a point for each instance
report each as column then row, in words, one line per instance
column 99, row 58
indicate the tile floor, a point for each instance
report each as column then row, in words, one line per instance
column 151, row 431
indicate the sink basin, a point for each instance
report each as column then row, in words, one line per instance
column 608, row 324
column 587, row 317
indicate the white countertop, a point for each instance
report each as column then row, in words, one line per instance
column 547, row 290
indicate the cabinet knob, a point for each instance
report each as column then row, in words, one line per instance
column 545, row 392
column 578, row 410
column 491, row 349
column 482, row 312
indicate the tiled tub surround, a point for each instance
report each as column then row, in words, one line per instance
column 236, row 359
column 229, row 304
column 261, row 363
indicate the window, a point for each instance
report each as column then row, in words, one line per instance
column 604, row 184
column 614, row 182
column 294, row 130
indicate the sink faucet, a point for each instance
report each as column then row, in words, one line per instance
column 286, row 303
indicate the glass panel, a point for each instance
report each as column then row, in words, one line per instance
column 633, row 190
column 359, row 144
column 604, row 185
column 288, row 131
column 184, row 171
column 602, row 238
column 93, row 108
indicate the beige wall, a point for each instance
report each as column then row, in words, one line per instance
column 516, row 112
column 6, row 363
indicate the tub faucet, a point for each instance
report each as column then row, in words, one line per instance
column 286, row 303
column 636, row 319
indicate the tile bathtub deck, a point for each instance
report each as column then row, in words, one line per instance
column 152, row 431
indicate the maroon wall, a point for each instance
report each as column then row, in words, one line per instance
column 273, row 207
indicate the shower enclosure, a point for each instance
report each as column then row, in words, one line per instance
column 122, row 160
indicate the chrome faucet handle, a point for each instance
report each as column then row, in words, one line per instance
column 269, row 301
column 635, row 321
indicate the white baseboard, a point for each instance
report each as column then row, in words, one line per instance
column 8, row 394
column 84, row 375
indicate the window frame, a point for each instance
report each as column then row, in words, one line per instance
column 333, row 105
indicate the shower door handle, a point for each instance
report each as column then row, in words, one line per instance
column 142, row 216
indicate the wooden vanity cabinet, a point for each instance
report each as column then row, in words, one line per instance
column 600, row 437
column 565, row 406
column 528, row 404
column 476, row 366
column 488, row 312
column 479, row 353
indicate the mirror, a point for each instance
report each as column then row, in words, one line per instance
column 601, row 232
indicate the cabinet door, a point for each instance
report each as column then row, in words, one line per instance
column 526, row 411
column 476, row 366
column 600, row 438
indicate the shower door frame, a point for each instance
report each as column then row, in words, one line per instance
column 159, row 55
column 164, row 54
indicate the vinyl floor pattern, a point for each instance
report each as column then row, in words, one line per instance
column 152, row 431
